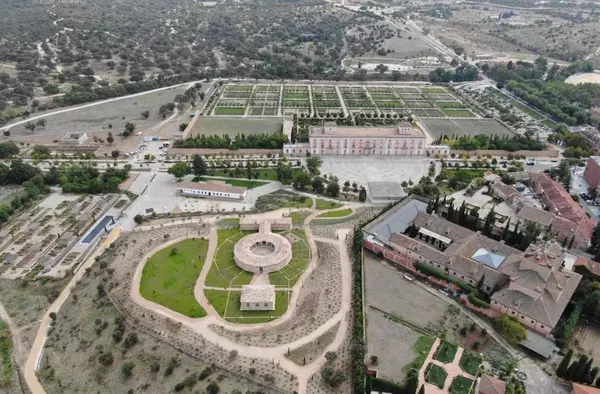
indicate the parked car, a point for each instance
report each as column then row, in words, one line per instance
column 409, row 277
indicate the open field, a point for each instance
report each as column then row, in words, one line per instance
column 227, row 304
column 224, row 272
column 269, row 174
column 466, row 127
column 324, row 204
column 170, row 275
column 234, row 126
column 98, row 118
column 289, row 275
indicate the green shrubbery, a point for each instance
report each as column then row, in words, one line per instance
column 473, row 299
column 422, row 267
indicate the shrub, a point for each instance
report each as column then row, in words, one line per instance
column 106, row 359
column 463, row 331
column 127, row 369
column 424, row 268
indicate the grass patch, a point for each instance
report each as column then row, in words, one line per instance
column 230, row 111
column 233, row 182
column 170, row 275
column 268, row 174
column 422, row 347
column 433, row 90
column 324, row 204
column 300, row 202
column 224, row 272
column 229, row 221
column 6, row 367
column 550, row 123
column 458, row 113
column 298, row 217
column 470, row 363
column 436, row 375
column 446, row 352
column 289, row 275
column 336, row 214
column 227, row 304
column 461, row 385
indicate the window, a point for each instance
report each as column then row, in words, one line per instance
column 266, row 304
column 522, row 317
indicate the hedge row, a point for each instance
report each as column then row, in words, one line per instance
column 357, row 346
column 567, row 330
column 422, row 267
column 473, row 299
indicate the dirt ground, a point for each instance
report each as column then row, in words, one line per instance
column 387, row 290
column 85, row 330
column 384, row 335
column 586, row 340
column 8, row 192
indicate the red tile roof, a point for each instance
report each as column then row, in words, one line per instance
column 592, row 266
column 491, row 385
column 581, row 389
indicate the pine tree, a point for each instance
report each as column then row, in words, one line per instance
column 506, row 230
column 598, row 382
column 561, row 371
column 571, row 243
column 572, row 371
column 422, row 389
column 580, row 369
column 587, row 368
column 436, row 203
column 488, row 225
column 593, row 374
column 461, row 214
column 451, row 211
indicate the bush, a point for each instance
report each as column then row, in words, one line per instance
column 127, row 369
column 213, row 388
column 426, row 269
column 463, row 331
column 106, row 359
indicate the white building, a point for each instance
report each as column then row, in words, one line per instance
column 212, row 189
column 257, row 298
column 74, row 138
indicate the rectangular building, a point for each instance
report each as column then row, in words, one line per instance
column 591, row 174
column 257, row 298
column 212, row 189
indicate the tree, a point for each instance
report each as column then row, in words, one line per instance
column 422, row 389
column 301, row 179
column 198, row 165
column 183, row 126
column 179, row 170
column 511, row 329
column 561, row 371
column 213, row 388
column 333, row 189
column 318, row 185
column 110, row 139
column 41, row 123
column 129, row 128
column 127, row 369
column 114, row 154
column 138, row 219
column 313, row 164
column 284, row 173
column 146, row 114
column 595, row 242
column 488, row 225
column 362, row 195
column 30, row 126
column 564, row 174
column 8, row 149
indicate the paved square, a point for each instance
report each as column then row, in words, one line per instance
column 363, row 169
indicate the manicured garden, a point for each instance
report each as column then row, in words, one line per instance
column 300, row 202
column 458, row 113
column 298, row 217
column 422, row 347
column 461, row 385
column 227, row 305
column 336, row 214
column 224, row 272
column 268, row 174
column 230, row 111
column 470, row 363
column 289, row 275
column 170, row 275
column 436, row 375
column 446, row 352
column 234, row 182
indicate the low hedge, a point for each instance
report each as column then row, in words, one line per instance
column 478, row 302
column 422, row 267
column 357, row 349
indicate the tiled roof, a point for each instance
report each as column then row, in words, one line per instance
column 441, row 226
column 591, row 265
column 581, row 389
column 491, row 385
column 258, row 293
column 538, row 287
column 212, row 186
column 535, row 215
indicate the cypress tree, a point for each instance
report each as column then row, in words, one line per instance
column 586, row 373
column 598, row 382
column 572, row 371
column 461, row 214
column 422, row 389
column 593, row 374
column 571, row 243
column 506, row 230
column 561, row 371
column 579, row 375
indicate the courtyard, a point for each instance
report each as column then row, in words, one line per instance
column 375, row 168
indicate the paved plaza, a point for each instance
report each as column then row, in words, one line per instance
column 363, row 169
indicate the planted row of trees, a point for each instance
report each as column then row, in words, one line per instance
column 253, row 141
column 581, row 370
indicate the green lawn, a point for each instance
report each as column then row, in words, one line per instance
column 268, row 174
column 6, row 367
column 229, row 221
column 224, row 272
column 446, row 352
column 230, row 111
column 170, row 275
column 289, row 275
column 234, row 182
column 470, row 363
column 227, row 304
column 433, row 90
column 461, row 385
column 457, row 113
column 422, row 347
column 300, row 202
column 436, row 375
column 298, row 217
column 324, row 204
column 336, row 214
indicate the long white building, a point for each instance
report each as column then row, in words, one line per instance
column 212, row 189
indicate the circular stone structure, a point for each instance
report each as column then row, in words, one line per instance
column 262, row 252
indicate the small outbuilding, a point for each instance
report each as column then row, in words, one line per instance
column 385, row 192
column 257, row 298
